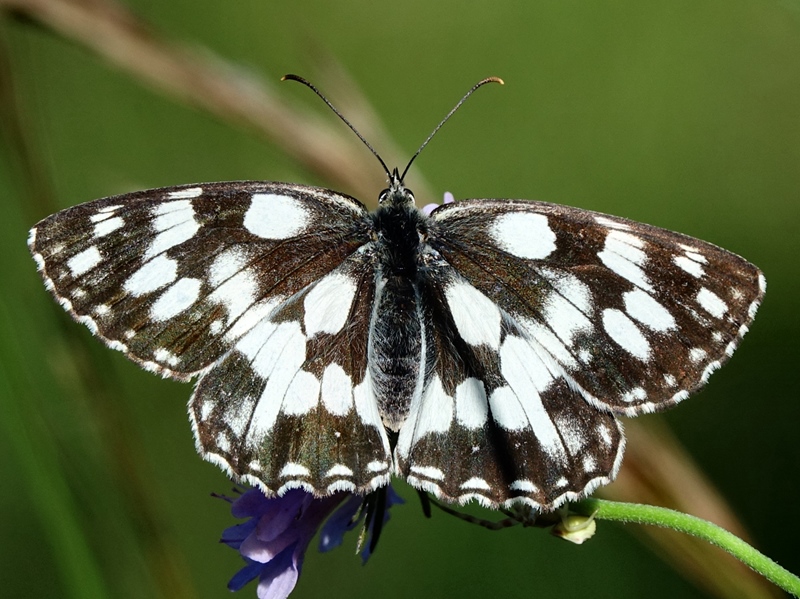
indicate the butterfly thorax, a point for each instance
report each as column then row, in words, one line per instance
column 399, row 228
column 396, row 340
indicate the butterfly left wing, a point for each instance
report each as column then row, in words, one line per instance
column 291, row 405
column 224, row 280
column 172, row 276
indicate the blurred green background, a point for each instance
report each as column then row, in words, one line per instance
column 683, row 114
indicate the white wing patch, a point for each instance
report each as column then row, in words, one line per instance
column 174, row 223
column 84, row 261
column 691, row 266
column 252, row 317
column 626, row 334
column 472, row 407
column 624, row 255
column 564, row 317
column 105, row 225
column 273, row 216
column 435, row 410
column 337, row 390
column 528, row 376
column 644, row 308
column 549, row 341
column 151, row 276
column 430, row 412
column 524, row 234
column 180, row 296
column 507, row 410
column 302, row 396
column 477, row 318
column 236, row 285
column 711, row 303
column 185, row 194
column 328, row 303
column 367, row 410
column 611, row 224
column 276, row 353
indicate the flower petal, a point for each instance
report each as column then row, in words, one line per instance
column 257, row 550
column 284, row 512
column 234, row 535
column 342, row 521
column 448, row 199
column 245, row 575
column 274, row 541
column 250, row 504
column 279, row 576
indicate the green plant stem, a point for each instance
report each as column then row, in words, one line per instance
column 702, row 529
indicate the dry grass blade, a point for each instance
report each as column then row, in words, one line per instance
column 210, row 83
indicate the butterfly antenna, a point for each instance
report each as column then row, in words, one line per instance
column 312, row 87
column 475, row 87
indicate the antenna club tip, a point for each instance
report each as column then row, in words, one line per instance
column 292, row 77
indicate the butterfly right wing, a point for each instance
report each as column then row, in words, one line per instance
column 498, row 422
column 546, row 320
column 638, row 317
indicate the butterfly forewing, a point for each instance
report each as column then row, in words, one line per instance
column 173, row 276
column 635, row 317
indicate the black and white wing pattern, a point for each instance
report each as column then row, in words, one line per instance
column 544, row 323
column 261, row 290
column 482, row 352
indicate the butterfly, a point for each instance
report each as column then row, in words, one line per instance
column 482, row 351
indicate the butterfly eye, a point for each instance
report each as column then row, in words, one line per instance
column 383, row 197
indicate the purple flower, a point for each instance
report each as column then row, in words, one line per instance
column 448, row 199
column 274, row 540
column 350, row 515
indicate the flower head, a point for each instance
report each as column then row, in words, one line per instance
column 274, row 540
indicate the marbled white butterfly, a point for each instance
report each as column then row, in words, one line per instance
column 482, row 351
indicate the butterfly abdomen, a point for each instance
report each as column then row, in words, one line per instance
column 395, row 348
column 396, row 336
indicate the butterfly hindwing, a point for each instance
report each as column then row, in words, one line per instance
column 496, row 421
column 636, row 316
column 291, row 405
column 173, row 276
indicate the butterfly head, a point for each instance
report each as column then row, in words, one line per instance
column 397, row 194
